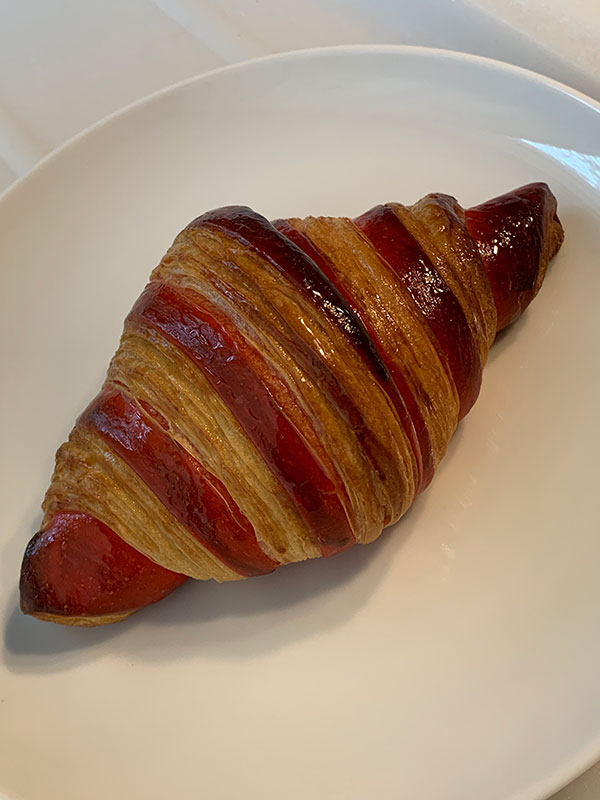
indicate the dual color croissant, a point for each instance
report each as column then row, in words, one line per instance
column 282, row 391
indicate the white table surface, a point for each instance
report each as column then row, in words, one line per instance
column 64, row 64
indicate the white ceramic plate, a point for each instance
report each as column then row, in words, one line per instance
column 455, row 659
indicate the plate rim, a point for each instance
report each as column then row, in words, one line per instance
column 298, row 54
column 587, row 757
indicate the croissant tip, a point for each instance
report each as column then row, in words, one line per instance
column 31, row 608
column 32, row 605
column 77, row 572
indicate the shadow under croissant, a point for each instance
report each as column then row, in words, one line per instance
column 235, row 620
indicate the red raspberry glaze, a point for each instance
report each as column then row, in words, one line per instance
column 78, row 566
column 195, row 497
column 432, row 295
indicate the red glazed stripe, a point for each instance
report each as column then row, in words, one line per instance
column 258, row 233
column 78, row 566
column 510, row 232
column 397, row 388
column 436, row 302
column 230, row 364
column 196, row 498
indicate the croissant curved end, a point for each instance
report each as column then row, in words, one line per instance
column 79, row 572
column 367, row 391
column 516, row 234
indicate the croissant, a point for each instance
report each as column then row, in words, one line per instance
column 282, row 391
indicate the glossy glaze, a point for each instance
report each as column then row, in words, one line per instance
column 78, row 566
column 255, row 231
column 233, row 369
column 431, row 295
column 396, row 386
column 510, row 232
column 196, row 498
